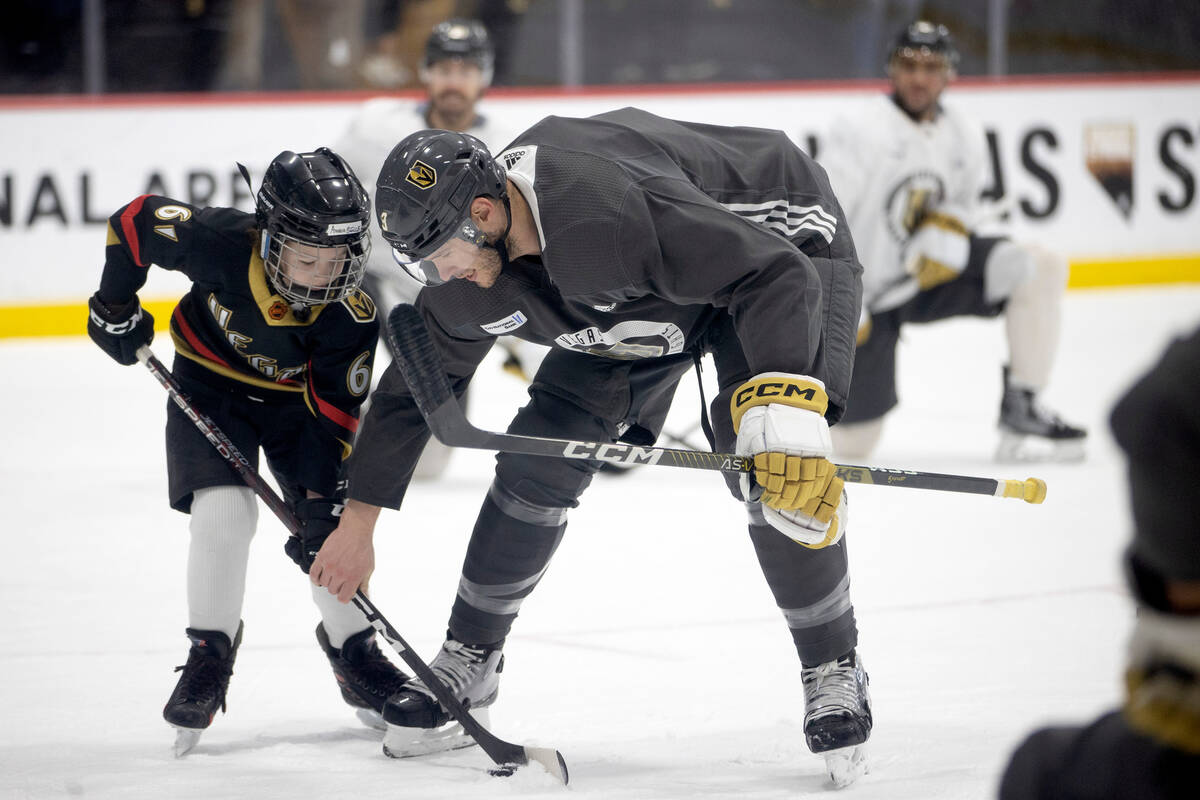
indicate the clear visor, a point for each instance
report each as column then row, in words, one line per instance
column 312, row 274
column 425, row 267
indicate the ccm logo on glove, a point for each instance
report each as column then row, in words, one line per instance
column 780, row 422
column 761, row 390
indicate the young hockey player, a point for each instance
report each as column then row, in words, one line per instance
column 456, row 71
column 630, row 244
column 274, row 343
column 909, row 173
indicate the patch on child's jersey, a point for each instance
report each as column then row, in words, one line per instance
column 360, row 305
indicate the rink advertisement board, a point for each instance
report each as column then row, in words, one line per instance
column 1103, row 170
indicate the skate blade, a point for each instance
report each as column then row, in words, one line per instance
column 1017, row 448
column 401, row 742
column 846, row 765
column 186, row 739
column 371, row 718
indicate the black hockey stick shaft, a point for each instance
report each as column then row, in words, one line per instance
column 418, row 360
column 506, row 754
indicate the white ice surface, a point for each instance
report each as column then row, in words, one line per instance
column 651, row 655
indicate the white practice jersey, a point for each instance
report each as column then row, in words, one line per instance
column 372, row 133
column 886, row 169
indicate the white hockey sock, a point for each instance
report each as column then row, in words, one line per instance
column 856, row 439
column 341, row 620
column 222, row 525
column 1034, row 312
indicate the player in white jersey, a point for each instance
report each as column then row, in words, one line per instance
column 456, row 71
column 910, row 172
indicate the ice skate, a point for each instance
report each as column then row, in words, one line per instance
column 837, row 717
column 1030, row 432
column 201, row 688
column 365, row 677
column 416, row 722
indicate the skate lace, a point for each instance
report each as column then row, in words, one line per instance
column 1041, row 412
column 456, row 665
column 206, row 678
column 1036, row 410
column 830, row 688
column 377, row 675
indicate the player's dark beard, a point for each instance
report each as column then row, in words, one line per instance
column 495, row 254
column 495, row 259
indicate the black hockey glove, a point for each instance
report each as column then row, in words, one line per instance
column 320, row 516
column 119, row 330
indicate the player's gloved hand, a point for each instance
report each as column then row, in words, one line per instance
column 119, row 330
column 320, row 516
column 938, row 249
column 780, row 420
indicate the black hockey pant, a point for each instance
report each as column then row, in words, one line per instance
column 524, row 515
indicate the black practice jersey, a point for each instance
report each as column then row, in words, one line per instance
column 231, row 321
column 649, row 229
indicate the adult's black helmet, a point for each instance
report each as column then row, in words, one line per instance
column 925, row 38
column 461, row 38
column 424, row 192
column 313, row 199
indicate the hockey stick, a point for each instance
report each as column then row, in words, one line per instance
column 418, row 360
column 507, row 756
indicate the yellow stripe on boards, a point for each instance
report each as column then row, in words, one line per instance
column 1134, row 271
column 71, row 319
column 68, row 319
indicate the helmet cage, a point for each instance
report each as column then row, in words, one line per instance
column 327, row 272
column 314, row 218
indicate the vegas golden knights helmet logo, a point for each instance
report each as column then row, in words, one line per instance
column 421, row 175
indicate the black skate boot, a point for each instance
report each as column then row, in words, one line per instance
column 1030, row 432
column 364, row 675
column 837, row 716
column 201, row 688
column 417, row 724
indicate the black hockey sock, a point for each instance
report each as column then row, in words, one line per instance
column 812, row 589
column 510, row 549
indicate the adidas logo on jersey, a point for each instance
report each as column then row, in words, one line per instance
column 512, row 157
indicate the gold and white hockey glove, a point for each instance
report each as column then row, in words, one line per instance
column 937, row 251
column 780, row 420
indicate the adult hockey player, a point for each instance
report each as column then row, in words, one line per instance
column 456, row 71
column 630, row 244
column 1150, row 748
column 909, row 172
column 274, row 343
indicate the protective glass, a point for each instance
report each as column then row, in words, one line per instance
column 424, row 267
